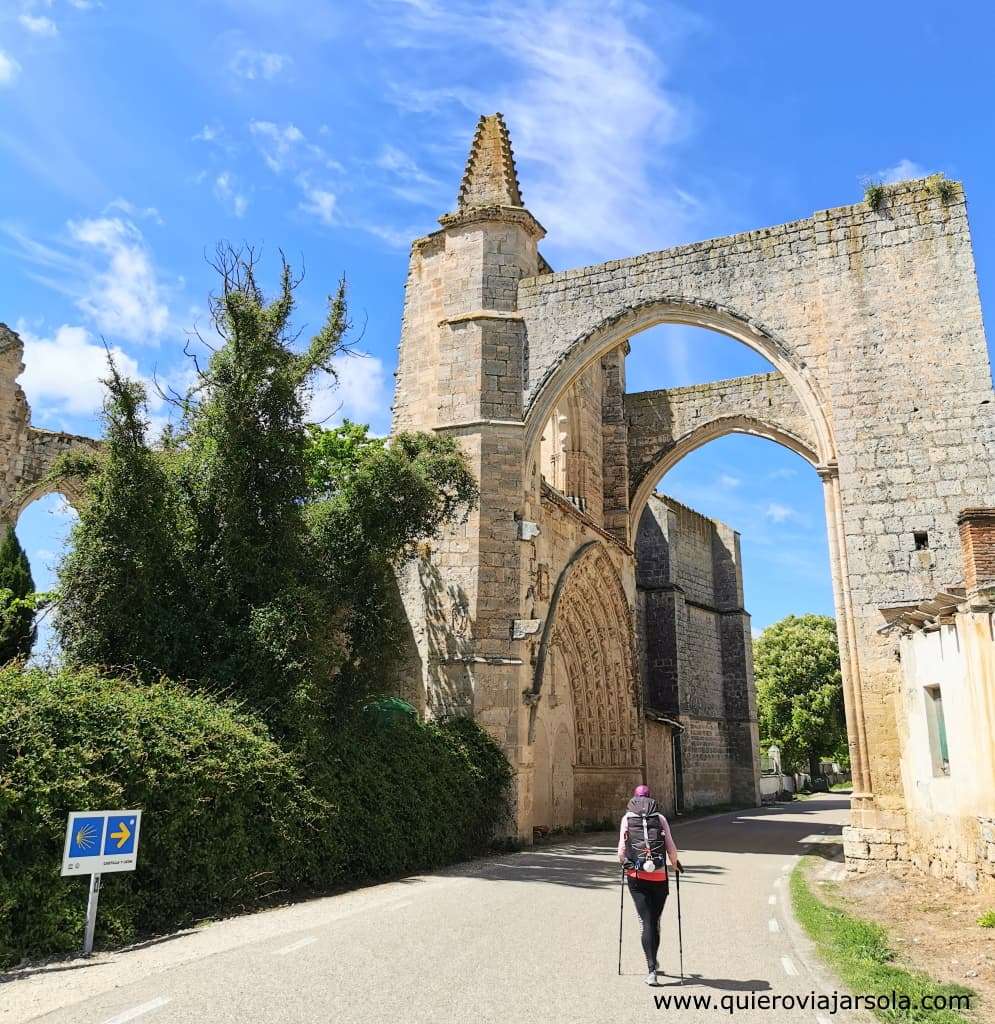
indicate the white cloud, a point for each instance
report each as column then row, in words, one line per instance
column 779, row 513
column 254, row 64
column 129, row 209
column 407, row 180
column 209, row 133
column 63, row 373
column 728, row 481
column 123, row 298
column 584, row 93
column 278, row 143
column 904, row 170
column 9, row 68
column 39, row 25
column 226, row 190
column 361, row 393
column 785, row 473
column 319, row 203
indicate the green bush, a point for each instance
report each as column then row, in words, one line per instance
column 413, row 795
column 231, row 820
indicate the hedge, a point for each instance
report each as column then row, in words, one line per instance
column 231, row 820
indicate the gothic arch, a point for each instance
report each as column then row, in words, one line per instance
column 589, row 625
column 672, row 453
column 69, row 489
column 617, row 329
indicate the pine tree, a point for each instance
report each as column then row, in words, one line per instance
column 17, row 613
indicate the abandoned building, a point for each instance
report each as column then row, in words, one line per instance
column 553, row 614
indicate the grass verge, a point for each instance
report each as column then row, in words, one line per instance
column 859, row 953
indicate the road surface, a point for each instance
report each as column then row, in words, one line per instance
column 530, row 937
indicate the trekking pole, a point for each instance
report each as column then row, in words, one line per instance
column 680, row 940
column 621, row 900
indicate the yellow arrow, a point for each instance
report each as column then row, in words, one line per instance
column 122, row 835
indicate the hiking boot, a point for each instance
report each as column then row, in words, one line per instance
column 651, row 977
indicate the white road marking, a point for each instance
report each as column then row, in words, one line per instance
column 294, row 946
column 773, row 926
column 789, row 967
column 772, row 900
column 138, row 1011
column 392, row 904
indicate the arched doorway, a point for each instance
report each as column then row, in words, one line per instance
column 585, row 726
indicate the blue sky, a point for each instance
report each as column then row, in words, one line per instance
column 134, row 136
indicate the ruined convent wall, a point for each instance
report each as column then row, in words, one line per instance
column 871, row 319
column 27, row 453
column 665, row 425
column 696, row 650
column 874, row 320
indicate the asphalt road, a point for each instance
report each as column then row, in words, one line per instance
column 521, row 938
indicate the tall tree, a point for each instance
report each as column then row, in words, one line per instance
column 800, row 690
column 247, row 552
column 17, row 610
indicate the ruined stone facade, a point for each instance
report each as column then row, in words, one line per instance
column 872, row 321
column 27, row 453
column 696, row 654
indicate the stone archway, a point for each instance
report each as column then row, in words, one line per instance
column 870, row 316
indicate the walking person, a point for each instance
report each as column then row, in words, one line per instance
column 644, row 845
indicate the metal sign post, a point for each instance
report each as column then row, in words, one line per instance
column 98, row 842
column 91, row 914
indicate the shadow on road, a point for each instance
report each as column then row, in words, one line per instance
column 723, row 984
column 589, row 861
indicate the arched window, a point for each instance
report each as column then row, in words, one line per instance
column 554, row 450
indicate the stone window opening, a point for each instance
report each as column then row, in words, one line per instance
column 937, row 728
column 553, row 450
column 560, row 460
column 921, row 540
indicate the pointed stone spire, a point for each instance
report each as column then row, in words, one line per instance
column 490, row 178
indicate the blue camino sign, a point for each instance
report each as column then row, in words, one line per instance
column 101, row 841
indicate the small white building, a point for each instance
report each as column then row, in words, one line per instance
column 946, row 718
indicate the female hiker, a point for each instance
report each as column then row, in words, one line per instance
column 643, row 840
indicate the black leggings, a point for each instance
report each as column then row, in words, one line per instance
column 649, row 898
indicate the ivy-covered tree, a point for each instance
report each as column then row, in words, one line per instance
column 800, row 690
column 17, row 605
column 247, row 552
column 374, row 502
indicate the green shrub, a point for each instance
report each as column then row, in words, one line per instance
column 413, row 795
column 231, row 820
column 874, row 195
column 224, row 806
column 941, row 187
column 987, row 919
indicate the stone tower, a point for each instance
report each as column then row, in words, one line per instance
column 460, row 370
